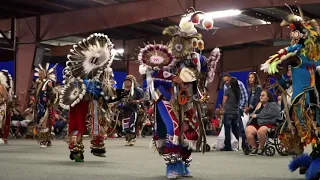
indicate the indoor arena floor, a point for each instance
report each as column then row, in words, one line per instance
column 24, row 160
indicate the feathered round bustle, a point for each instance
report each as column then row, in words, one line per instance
column 90, row 57
column 72, row 93
column 188, row 74
column 155, row 55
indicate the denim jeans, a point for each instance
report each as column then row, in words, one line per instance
column 58, row 126
column 242, row 131
column 230, row 122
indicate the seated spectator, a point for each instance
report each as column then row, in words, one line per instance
column 264, row 117
column 18, row 122
column 60, row 122
column 219, row 114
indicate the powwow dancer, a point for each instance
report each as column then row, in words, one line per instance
column 130, row 107
column 193, row 69
column 6, row 94
column 303, row 116
column 45, row 98
column 154, row 59
column 88, row 85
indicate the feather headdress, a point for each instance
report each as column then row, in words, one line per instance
column 89, row 57
column 306, row 33
column 186, row 28
column 304, row 36
column 4, row 80
column 134, row 83
column 185, row 37
column 49, row 73
column 10, row 87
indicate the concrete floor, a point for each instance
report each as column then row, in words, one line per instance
column 24, row 160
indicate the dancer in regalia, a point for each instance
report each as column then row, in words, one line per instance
column 6, row 94
column 195, row 73
column 302, row 118
column 88, row 87
column 130, row 108
column 154, row 60
column 45, row 98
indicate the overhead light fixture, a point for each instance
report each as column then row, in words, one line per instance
column 265, row 22
column 120, row 51
column 225, row 13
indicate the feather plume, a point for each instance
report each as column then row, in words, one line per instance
column 49, row 73
column 264, row 67
column 284, row 23
column 313, row 171
column 9, row 82
column 301, row 14
column 315, row 25
column 47, row 66
column 40, row 66
column 302, row 160
column 171, row 31
column 187, row 26
column 291, row 19
column 143, row 69
column 4, row 80
column 213, row 62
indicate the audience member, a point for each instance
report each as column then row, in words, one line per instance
column 242, row 104
column 231, row 101
column 61, row 121
column 265, row 115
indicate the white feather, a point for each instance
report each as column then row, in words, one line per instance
column 318, row 69
column 47, row 66
column 187, row 26
column 143, row 69
column 3, row 80
column 264, row 67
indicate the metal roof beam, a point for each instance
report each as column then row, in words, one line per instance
column 261, row 16
column 94, row 19
column 234, row 22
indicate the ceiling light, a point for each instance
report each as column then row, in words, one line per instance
column 225, row 13
column 117, row 51
column 265, row 22
column 120, row 51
